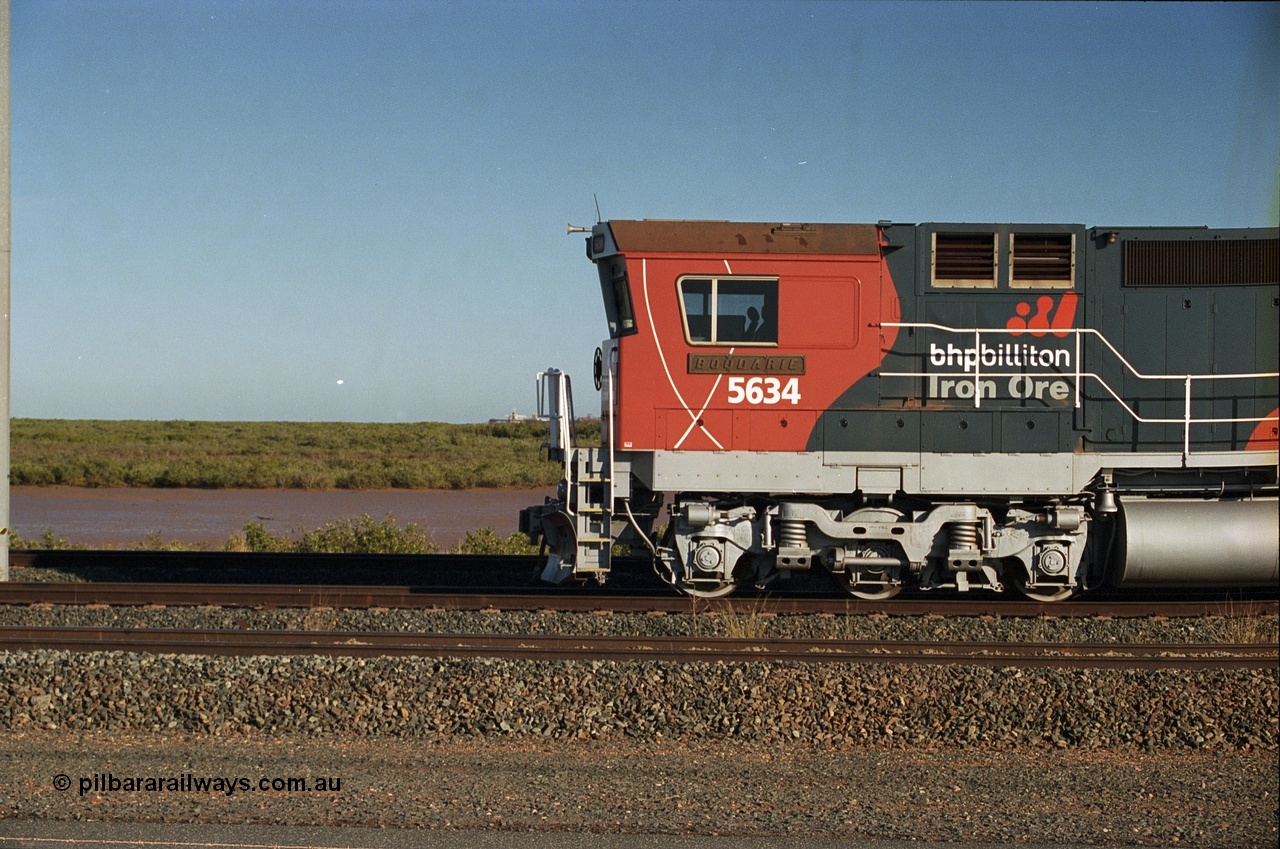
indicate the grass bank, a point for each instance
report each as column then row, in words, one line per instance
column 282, row 455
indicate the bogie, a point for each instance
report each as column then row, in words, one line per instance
column 874, row 552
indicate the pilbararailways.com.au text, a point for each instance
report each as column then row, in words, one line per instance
column 191, row 783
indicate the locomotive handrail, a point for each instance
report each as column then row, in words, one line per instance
column 611, row 370
column 555, row 403
column 1078, row 374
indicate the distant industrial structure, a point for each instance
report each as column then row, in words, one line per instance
column 513, row 417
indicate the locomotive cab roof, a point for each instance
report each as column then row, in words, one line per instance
column 678, row 236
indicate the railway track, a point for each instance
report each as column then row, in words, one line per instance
column 425, row 580
column 407, row 597
column 631, row 648
column 280, row 567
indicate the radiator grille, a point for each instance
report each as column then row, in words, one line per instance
column 1220, row 262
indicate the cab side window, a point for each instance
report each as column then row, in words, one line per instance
column 729, row 310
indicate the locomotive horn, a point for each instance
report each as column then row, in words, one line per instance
column 573, row 229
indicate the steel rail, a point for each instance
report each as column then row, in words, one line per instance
column 79, row 557
column 704, row 649
column 405, row 597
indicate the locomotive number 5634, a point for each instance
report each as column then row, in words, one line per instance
column 763, row 390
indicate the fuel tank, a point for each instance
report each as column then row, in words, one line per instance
column 1177, row 542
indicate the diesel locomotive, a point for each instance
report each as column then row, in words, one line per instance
column 1040, row 407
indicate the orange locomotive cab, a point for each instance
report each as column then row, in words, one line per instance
column 733, row 337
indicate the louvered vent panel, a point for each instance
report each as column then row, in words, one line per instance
column 964, row 257
column 1221, row 262
column 1042, row 257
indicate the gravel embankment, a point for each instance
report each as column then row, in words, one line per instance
column 847, row 704
column 947, row 752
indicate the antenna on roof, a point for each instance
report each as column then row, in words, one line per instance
column 599, row 217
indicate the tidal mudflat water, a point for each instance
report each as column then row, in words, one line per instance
column 121, row 517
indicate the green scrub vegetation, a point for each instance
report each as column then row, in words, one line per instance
column 283, row 455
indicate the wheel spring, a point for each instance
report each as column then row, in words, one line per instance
column 791, row 534
column 964, row 536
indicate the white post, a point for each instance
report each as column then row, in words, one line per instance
column 1186, row 425
column 977, row 367
column 4, row 290
column 1077, row 336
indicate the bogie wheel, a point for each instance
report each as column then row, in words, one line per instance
column 707, row 589
column 864, row 591
column 1045, row 595
column 880, row 582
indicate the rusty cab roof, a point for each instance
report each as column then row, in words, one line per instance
column 673, row 236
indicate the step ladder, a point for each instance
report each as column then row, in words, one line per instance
column 590, row 505
column 588, row 490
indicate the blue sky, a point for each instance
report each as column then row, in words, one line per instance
column 356, row 211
